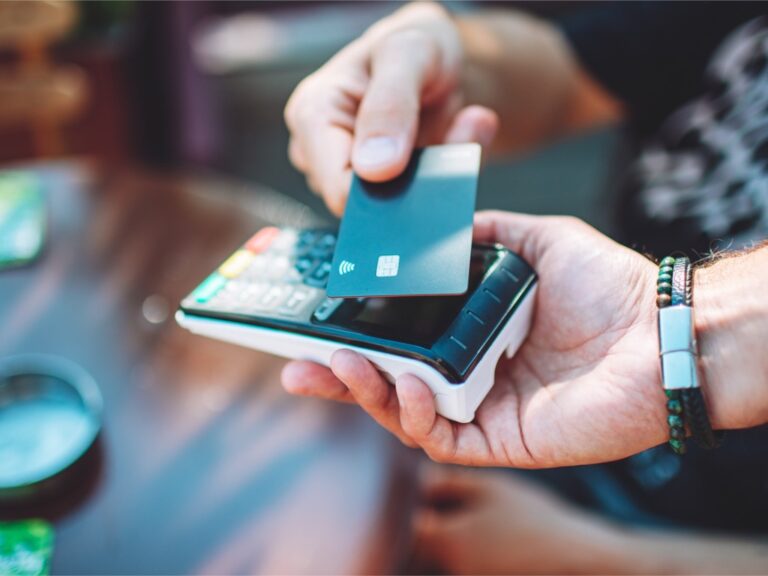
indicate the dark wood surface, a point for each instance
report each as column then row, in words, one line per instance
column 204, row 464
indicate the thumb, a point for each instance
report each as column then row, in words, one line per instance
column 402, row 64
column 523, row 234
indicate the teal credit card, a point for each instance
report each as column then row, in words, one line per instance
column 22, row 218
column 411, row 236
column 25, row 548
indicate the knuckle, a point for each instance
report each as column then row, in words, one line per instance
column 384, row 109
column 290, row 110
column 312, row 184
column 408, row 40
column 295, row 156
column 568, row 222
column 302, row 99
column 437, row 455
column 424, row 9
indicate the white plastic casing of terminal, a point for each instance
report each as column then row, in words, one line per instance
column 456, row 401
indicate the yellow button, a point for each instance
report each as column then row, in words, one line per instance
column 236, row 263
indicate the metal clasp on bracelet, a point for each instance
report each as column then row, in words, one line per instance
column 677, row 348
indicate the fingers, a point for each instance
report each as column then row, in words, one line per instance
column 524, row 234
column 473, row 124
column 296, row 156
column 387, row 121
column 326, row 150
column 441, row 439
column 320, row 116
column 302, row 378
column 508, row 228
column 407, row 410
column 370, row 390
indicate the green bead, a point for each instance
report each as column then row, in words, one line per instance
column 675, row 406
column 665, row 278
column 664, row 288
column 673, row 394
column 677, row 434
column 663, row 300
column 678, row 446
column 668, row 261
column 674, row 421
column 666, row 270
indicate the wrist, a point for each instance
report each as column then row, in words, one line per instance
column 731, row 312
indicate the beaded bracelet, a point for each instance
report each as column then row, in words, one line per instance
column 675, row 415
column 685, row 403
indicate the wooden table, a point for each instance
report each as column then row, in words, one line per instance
column 204, row 464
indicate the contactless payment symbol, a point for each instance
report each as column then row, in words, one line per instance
column 388, row 266
column 346, row 267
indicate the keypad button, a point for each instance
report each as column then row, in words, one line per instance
column 285, row 242
column 301, row 250
column 274, row 297
column 307, row 237
column 321, row 252
column 236, row 264
column 327, row 240
column 319, row 276
column 292, row 276
column 251, row 295
column 278, row 271
column 302, row 265
column 260, row 241
column 276, row 268
column 326, row 308
column 255, row 271
column 298, row 299
column 209, row 288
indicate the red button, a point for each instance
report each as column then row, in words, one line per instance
column 262, row 239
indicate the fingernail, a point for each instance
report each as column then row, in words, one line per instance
column 377, row 151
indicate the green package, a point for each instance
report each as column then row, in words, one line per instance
column 25, row 548
column 22, row 218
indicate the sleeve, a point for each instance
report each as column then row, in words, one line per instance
column 652, row 55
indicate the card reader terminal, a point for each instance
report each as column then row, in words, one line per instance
column 270, row 295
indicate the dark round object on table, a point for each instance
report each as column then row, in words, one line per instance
column 50, row 416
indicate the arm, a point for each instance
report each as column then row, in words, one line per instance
column 680, row 553
column 504, row 524
column 524, row 69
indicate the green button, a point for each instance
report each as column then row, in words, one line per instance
column 209, row 288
